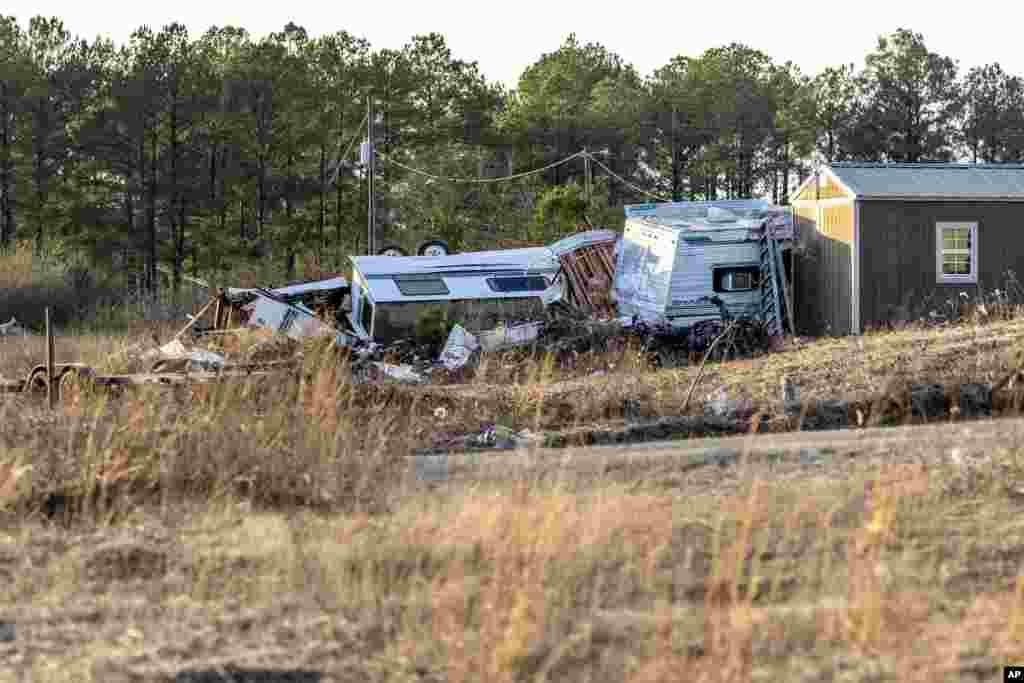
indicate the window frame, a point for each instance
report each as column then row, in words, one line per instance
column 718, row 275
column 493, row 283
column 940, row 252
column 440, row 286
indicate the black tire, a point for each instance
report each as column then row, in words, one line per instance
column 391, row 249
column 433, row 245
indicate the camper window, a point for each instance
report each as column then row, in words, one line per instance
column 736, row 279
column 420, row 285
column 531, row 283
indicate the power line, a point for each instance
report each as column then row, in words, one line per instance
column 623, row 180
column 582, row 153
column 480, row 180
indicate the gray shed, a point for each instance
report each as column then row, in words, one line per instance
column 882, row 239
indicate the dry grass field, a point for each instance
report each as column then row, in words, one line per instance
column 278, row 525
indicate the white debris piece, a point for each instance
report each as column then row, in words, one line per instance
column 175, row 350
column 293, row 320
column 12, row 328
column 507, row 337
column 553, row 293
column 402, row 373
column 459, row 347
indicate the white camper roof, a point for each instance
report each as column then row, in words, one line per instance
column 716, row 210
column 718, row 221
column 538, row 259
column 470, row 275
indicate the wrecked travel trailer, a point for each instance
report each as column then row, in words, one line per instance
column 437, row 312
column 678, row 260
column 486, row 292
column 394, row 297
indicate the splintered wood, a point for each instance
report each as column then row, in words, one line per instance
column 589, row 273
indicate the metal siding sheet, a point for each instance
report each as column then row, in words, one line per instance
column 644, row 268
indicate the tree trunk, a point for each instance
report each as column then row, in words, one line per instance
column 152, row 284
column 322, row 219
column 338, row 197
column 179, row 245
column 38, row 167
column 785, row 174
column 289, row 246
column 261, row 194
column 172, row 223
column 6, row 181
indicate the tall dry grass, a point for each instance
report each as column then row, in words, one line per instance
column 297, row 489
column 882, row 575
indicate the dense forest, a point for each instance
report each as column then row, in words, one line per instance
column 199, row 153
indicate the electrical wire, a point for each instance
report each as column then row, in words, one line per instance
column 623, row 180
column 582, row 153
column 480, row 180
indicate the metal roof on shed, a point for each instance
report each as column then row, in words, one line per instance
column 942, row 181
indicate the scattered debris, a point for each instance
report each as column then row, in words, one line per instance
column 493, row 437
column 588, row 267
column 12, row 328
column 175, row 355
column 662, row 429
column 823, row 415
column 459, row 348
column 503, row 337
column 975, row 400
column 400, row 373
column 293, row 320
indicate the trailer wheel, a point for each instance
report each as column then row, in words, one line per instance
column 391, row 250
column 36, row 383
column 75, row 384
column 433, row 248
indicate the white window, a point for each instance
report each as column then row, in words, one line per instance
column 956, row 252
column 735, row 279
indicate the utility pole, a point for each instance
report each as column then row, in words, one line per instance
column 369, row 175
column 587, row 183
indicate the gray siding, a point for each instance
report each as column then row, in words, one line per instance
column 898, row 273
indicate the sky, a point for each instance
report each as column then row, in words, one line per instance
column 504, row 38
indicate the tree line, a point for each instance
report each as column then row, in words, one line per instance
column 201, row 153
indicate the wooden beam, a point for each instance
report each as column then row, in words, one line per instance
column 217, row 312
column 194, row 320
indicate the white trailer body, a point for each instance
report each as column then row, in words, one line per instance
column 675, row 257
